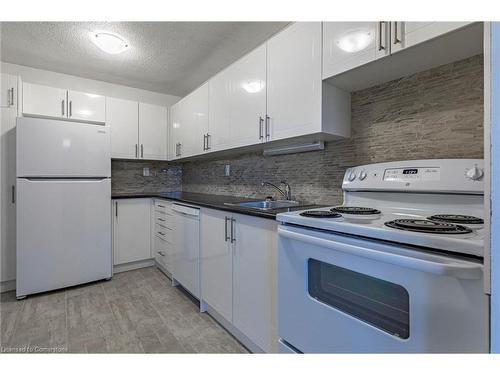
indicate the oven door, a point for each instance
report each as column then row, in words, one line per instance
column 340, row 294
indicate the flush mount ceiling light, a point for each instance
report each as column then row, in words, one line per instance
column 355, row 40
column 109, row 42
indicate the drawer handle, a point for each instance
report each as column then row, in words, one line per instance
column 159, row 205
column 160, row 219
column 162, row 253
column 161, row 233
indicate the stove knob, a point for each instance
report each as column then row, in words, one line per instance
column 352, row 176
column 362, row 175
column 474, row 173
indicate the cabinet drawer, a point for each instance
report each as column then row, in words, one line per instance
column 162, row 252
column 163, row 219
column 162, row 206
column 163, row 233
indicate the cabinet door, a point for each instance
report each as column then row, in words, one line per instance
column 8, row 182
column 8, row 97
column 347, row 45
column 153, row 120
column 216, row 262
column 122, row 117
column 195, row 111
column 254, row 280
column 247, row 105
column 83, row 106
column 175, row 130
column 219, row 115
column 44, row 101
column 131, row 230
column 407, row 34
column 294, row 81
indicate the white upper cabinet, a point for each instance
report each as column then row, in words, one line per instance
column 238, row 102
column 407, row 34
column 44, row 101
column 195, row 136
column 153, row 120
column 347, row 45
column 294, row 82
column 86, row 107
column 122, row 117
column 8, row 97
column 175, row 130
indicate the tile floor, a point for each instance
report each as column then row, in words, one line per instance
column 135, row 312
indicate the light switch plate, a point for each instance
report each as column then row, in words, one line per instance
column 227, row 170
column 145, row 172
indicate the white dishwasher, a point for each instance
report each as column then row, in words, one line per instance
column 186, row 254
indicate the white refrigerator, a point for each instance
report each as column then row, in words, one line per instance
column 63, row 204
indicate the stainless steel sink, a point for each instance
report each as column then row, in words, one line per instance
column 266, row 204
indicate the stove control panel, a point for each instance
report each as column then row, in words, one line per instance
column 412, row 174
column 432, row 175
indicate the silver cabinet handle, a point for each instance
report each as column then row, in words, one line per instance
column 204, row 142
column 12, row 96
column 380, row 45
column 226, row 237
column 13, row 194
column 233, row 238
column 268, row 120
column 136, row 150
column 396, row 39
column 161, row 206
column 160, row 219
column 162, row 253
column 116, row 209
column 208, row 141
column 62, row 107
column 180, row 148
column 70, row 108
column 261, row 124
column 161, row 233
column 142, row 151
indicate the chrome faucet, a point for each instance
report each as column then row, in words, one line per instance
column 286, row 193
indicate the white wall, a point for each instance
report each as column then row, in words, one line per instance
column 48, row 78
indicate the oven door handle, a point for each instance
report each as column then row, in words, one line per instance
column 442, row 266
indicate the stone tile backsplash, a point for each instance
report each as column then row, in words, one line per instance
column 126, row 176
column 433, row 114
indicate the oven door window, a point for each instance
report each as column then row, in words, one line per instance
column 380, row 303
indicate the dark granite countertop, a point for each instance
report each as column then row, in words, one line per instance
column 214, row 201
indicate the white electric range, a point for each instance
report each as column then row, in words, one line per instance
column 397, row 268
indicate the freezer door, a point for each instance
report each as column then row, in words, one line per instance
column 54, row 148
column 63, row 233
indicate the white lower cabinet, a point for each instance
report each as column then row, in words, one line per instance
column 238, row 268
column 162, row 234
column 131, row 230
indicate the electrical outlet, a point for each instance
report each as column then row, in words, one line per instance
column 145, row 172
column 227, row 170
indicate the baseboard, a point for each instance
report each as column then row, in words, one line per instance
column 162, row 268
column 133, row 265
column 7, row 286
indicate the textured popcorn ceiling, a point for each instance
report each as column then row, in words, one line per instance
column 169, row 57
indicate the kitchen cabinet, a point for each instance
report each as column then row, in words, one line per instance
column 347, row 45
column 83, row 106
column 190, row 131
column 298, row 103
column 9, row 94
column 162, row 234
column 8, row 194
column 238, row 270
column 408, row 34
column 153, row 120
column 238, row 102
column 254, row 279
column 122, row 117
column 131, row 230
column 44, row 101
column 216, row 254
